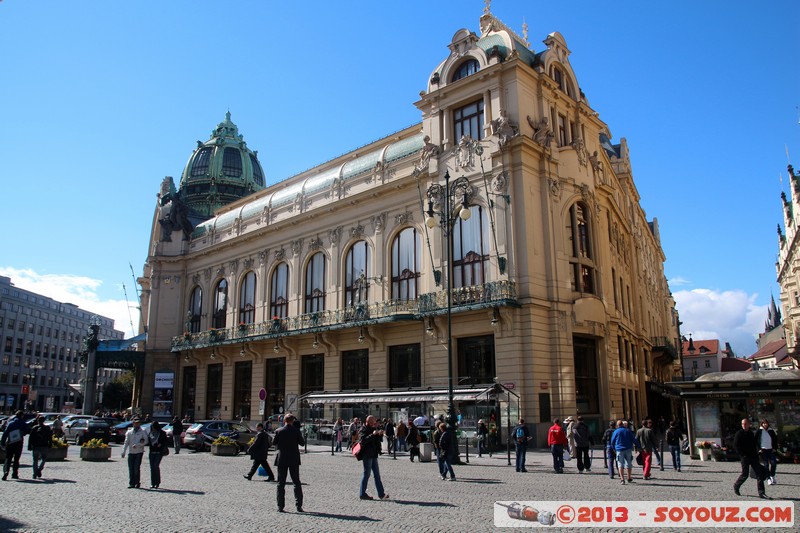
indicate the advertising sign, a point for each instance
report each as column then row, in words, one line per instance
column 163, row 393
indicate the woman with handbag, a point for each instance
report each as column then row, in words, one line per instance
column 157, row 440
column 413, row 439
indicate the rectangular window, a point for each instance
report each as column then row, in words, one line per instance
column 476, row 359
column 614, row 282
column 28, row 347
column 355, row 369
column 19, row 346
column 214, row 391
column 312, row 373
column 405, row 369
column 621, row 351
column 11, row 322
column 21, row 326
column 563, row 136
column 4, row 377
column 276, row 385
column 14, row 378
column 587, row 383
column 9, row 344
column 189, row 388
column 468, row 120
column 242, row 384
column 6, row 360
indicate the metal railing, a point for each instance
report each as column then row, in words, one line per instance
column 473, row 297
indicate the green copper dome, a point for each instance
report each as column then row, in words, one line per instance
column 220, row 171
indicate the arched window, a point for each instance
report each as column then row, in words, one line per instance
column 315, row 284
column 220, row 304
column 405, row 265
column 195, row 309
column 582, row 261
column 279, row 292
column 467, row 68
column 470, row 249
column 247, row 299
column 201, row 161
column 356, row 285
column 562, row 80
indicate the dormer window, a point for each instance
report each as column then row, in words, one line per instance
column 467, row 68
column 562, row 80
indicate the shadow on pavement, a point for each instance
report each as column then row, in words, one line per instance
column 52, row 480
column 7, row 524
column 178, row 491
column 423, row 504
column 342, row 516
column 477, row 480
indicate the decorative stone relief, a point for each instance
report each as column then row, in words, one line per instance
column 500, row 182
column 504, row 129
column 221, row 271
column 357, row 231
column 465, row 152
column 542, row 133
column 555, row 188
column 248, row 263
column 597, row 169
column 297, row 246
column 262, row 257
column 586, row 193
column 379, row 221
column 195, row 278
column 298, row 203
column 280, row 255
column 265, row 218
column 315, row 244
column 234, row 266
column 580, row 150
column 403, row 218
column 377, row 171
column 335, row 235
column 428, row 151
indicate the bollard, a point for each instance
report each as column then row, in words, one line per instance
column 394, row 448
column 333, row 442
column 466, row 446
column 662, row 455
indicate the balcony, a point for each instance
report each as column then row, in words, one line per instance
column 495, row 294
column 663, row 348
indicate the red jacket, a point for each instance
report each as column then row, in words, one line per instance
column 556, row 435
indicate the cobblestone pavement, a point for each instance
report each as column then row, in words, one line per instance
column 201, row 492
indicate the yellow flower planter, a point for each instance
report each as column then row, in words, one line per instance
column 95, row 454
column 705, row 454
column 57, row 454
column 224, row 449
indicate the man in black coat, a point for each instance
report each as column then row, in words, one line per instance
column 287, row 441
column 258, row 453
column 39, row 444
column 744, row 442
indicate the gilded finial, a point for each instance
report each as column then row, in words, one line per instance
column 488, row 8
column 525, row 32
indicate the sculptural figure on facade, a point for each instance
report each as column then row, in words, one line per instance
column 542, row 133
column 464, row 151
column 504, row 129
column 173, row 213
column 428, row 151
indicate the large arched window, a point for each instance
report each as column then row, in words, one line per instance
column 582, row 261
column 467, row 68
column 195, row 310
column 470, row 249
column 279, row 292
column 315, row 284
column 220, row 304
column 247, row 299
column 405, row 265
column 356, row 285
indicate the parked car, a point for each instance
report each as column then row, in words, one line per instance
column 168, row 430
column 199, row 436
column 118, row 431
column 83, row 430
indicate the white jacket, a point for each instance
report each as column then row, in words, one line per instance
column 135, row 440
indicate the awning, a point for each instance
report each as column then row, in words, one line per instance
column 75, row 386
column 460, row 394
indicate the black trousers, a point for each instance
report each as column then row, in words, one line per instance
column 294, row 472
column 747, row 462
column 584, row 461
column 13, row 453
column 256, row 464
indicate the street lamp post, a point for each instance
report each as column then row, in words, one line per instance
column 444, row 197
column 34, row 389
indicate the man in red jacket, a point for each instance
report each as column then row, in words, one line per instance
column 557, row 439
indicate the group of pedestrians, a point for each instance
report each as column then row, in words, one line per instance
column 136, row 440
column 573, row 439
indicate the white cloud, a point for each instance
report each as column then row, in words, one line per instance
column 678, row 281
column 730, row 316
column 78, row 290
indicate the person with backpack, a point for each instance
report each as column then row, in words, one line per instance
column 557, row 440
column 521, row 438
column 611, row 455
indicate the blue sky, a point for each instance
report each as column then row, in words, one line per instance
column 101, row 100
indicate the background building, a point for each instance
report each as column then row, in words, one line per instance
column 330, row 280
column 42, row 339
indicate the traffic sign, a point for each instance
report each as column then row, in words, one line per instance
column 262, row 394
column 510, row 385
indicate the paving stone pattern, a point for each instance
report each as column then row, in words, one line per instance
column 201, row 492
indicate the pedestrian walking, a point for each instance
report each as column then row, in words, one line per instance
column 371, row 438
column 557, row 441
column 258, row 453
column 583, row 442
column 448, row 450
column 338, row 428
column 610, row 454
column 522, row 436
column 177, row 431
column 352, row 433
column 288, row 439
column 648, row 442
column 39, row 444
column 624, row 441
column 388, row 430
column 482, row 434
column 437, row 435
column 58, row 427
column 767, row 441
column 570, row 429
column 401, row 432
column 412, row 440
column 12, row 438
column 159, row 447
column 135, row 440
column 673, row 437
column 746, row 445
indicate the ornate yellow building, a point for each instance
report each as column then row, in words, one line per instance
column 331, row 282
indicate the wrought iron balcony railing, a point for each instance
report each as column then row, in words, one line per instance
column 664, row 344
column 493, row 294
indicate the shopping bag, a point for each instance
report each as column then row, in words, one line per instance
column 261, row 471
column 357, row 450
column 758, row 472
column 567, row 456
column 640, row 459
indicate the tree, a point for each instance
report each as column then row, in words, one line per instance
column 119, row 393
